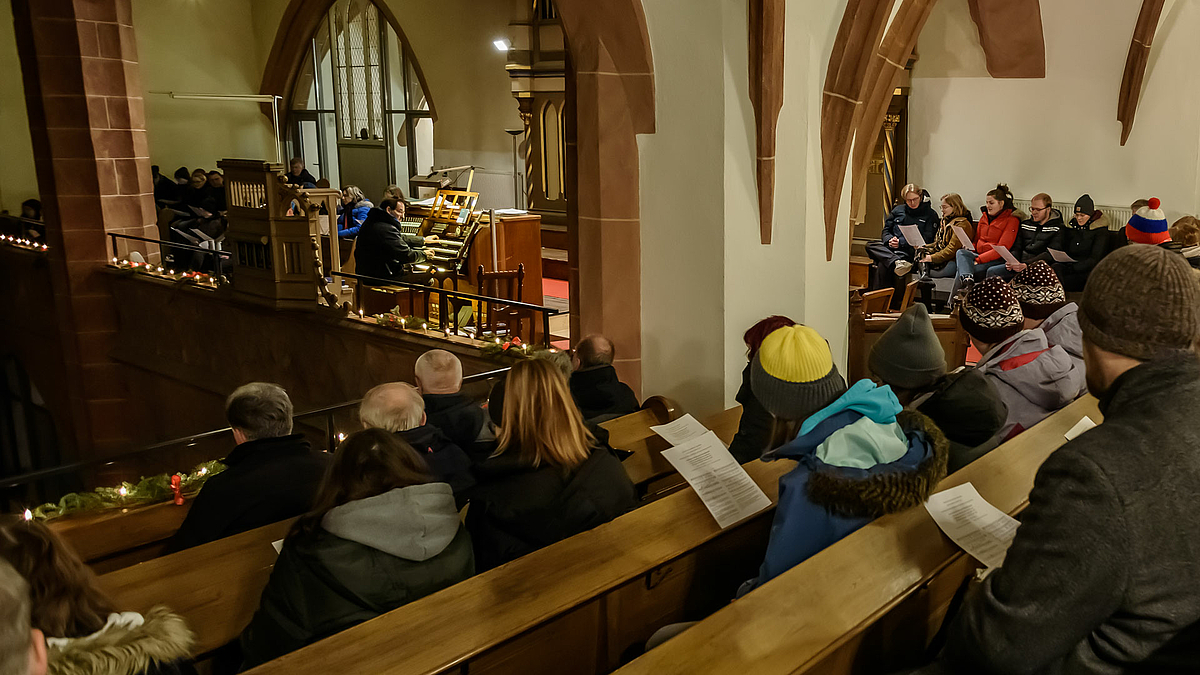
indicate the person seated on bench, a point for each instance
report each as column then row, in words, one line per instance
column 272, row 474
column 85, row 634
column 997, row 227
column 594, row 384
column 859, row 454
column 965, row 405
column 1044, row 304
column 1035, row 235
column 439, row 379
column 382, row 533
column 297, row 175
column 893, row 255
column 940, row 254
column 1033, row 378
column 1103, row 575
column 22, row 647
column 549, row 479
column 352, row 211
column 398, row 407
column 754, row 429
column 1085, row 239
column 383, row 251
column 1186, row 233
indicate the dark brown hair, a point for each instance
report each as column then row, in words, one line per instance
column 755, row 335
column 368, row 463
column 1003, row 195
column 66, row 601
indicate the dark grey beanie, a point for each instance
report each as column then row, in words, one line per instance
column 909, row 354
column 794, row 400
column 1143, row 302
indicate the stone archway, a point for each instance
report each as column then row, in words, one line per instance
column 612, row 77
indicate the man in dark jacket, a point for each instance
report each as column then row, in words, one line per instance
column 594, row 384
column 272, row 474
column 383, row 251
column 1085, row 240
column 964, row 404
column 893, row 253
column 1037, row 232
column 398, row 407
column 439, row 379
column 1104, row 574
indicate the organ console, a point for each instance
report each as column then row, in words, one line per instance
column 455, row 222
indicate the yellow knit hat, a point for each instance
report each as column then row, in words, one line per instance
column 793, row 374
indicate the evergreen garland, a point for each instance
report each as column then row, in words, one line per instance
column 148, row 490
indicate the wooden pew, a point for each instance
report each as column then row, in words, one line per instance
column 865, row 331
column 578, row 606
column 632, row 433
column 216, row 586
column 111, row 540
column 873, row 601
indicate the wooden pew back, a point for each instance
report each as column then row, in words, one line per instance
column 632, row 433
column 865, row 332
column 871, row 602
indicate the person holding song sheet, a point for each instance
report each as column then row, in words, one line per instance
column 940, row 254
column 1080, row 245
column 997, row 227
column 1034, row 236
column 1103, row 576
column 894, row 254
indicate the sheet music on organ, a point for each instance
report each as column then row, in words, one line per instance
column 681, row 430
column 721, row 483
column 975, row 525
column 913, row 235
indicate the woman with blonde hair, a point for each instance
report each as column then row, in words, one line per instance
column 941, row 251
column 85, row 635
column 549, row 478
column 352, row 211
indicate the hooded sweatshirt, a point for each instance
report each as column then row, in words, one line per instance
column 1033, row 379
column 861, row 457
column 368, row 557
column 157, row 643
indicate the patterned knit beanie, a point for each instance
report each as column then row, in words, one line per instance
column 991, row 312
column 1148, row 225
column 793, row 374
column 1039, row 291
column 1142, row 302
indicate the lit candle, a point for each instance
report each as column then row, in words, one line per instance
column 203, row 471
column 361, row 314
column 424, row 326
column 28, row 514
column 114, row 261
column 341, row 437
column 122, row 491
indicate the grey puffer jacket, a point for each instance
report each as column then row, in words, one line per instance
column 1032, row 378
column 1062, row 329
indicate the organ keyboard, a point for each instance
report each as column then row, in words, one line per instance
column 454, row 221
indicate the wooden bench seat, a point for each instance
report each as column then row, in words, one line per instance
column 871, row 602
column 216, row 586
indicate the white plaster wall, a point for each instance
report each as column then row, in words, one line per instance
column 18, row 179
column 1060, row 134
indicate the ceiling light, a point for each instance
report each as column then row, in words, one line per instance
column 501, row 45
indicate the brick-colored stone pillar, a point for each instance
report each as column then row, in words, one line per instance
column 87, row 121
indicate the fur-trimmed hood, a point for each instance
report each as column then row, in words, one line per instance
column 129, row 644
column 885, row 488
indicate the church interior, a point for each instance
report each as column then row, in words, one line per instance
column 534, row 336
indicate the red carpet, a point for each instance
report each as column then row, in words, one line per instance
column 556, row 288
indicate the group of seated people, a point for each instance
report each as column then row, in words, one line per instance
column 1072, row 247
column 1102, row 577
column 191, row 211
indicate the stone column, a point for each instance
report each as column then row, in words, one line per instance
column 87, row 121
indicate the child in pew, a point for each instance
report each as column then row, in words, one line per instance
column 1034, row 378
column 85, row 634
column 754, row 429
column 859, row 454
column 549, row 478
column 382, row 534
column 965, row 405
column 1044, row 304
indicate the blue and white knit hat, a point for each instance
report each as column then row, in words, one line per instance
column 1149, row 225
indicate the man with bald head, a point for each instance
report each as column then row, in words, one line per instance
column 398, row 407
column 600, row 395
column 439, row 379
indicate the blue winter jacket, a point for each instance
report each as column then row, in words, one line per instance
column 351, row 219
column 820, row 502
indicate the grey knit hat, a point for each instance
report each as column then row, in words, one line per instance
column 909, row 354
column 1143, row 302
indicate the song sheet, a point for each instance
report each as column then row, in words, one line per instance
column 979, row 528
column 1060, row 256
column 963, row 238
column 721, row 483
column 913, row 235
column 278, row 546
column 1007, row 255
column 681, row 430
column 1080, row 427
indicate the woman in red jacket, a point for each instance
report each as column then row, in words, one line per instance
column 997, row 227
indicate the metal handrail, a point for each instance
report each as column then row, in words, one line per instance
column 326, row 412
column 216, row 253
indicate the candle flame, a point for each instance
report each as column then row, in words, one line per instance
column 122, row 491
column 28, row 514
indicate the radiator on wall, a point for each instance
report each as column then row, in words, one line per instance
column 1118, row 216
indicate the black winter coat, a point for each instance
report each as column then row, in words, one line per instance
column 268, row 480
column 926, row 220
column 383, row 250
column 516, row 509
column 1087, row 245
column 447, row 462
column 967, row 408
column 600, row 395
column 754, row 429
column 464, row 421
column 1104, row 574
column 1033, row 239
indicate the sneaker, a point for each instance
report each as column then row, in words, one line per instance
column 903, row 267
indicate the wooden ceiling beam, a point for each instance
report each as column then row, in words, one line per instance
column 1136, row 63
